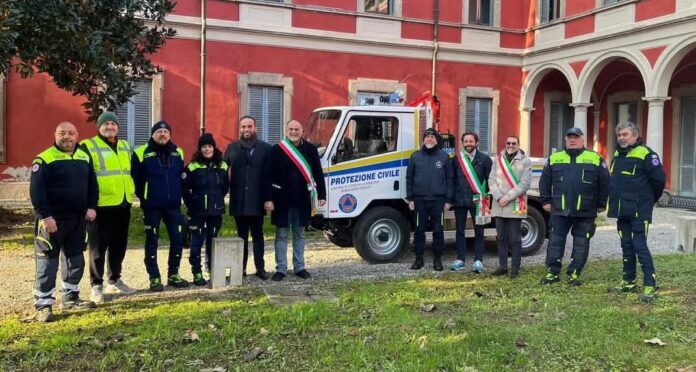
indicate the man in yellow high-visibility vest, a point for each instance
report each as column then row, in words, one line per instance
column 111, row 158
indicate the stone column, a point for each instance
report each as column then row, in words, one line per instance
column 595, row 129
column 581, row 116
column 526, row 129
column 656, row 133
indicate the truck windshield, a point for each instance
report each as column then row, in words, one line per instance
column 320, row 127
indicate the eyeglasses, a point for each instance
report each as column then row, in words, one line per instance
column 512, row 143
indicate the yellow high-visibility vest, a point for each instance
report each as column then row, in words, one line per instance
column 113, row 170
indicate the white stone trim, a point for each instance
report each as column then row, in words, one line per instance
column 678, row 94
column 553, row 34
column 683, row 5
column 594, row 67
column 157, row 93
column 625, row 96
column 481, row 37
column 264, row 15
column 534, row 78
column 615, row 17
column 265, row 79
column 373, row 85
column 668, row 62
column 481, row 92
column 371, row 27
column 552, row 96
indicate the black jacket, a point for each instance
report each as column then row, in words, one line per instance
column 463, row 194
column 637, row 182
column 288, row 187
column 575, row 183
column 205, row 187
column 63, row 184
column 156, row 171
column 429, row 176
column 249, row 177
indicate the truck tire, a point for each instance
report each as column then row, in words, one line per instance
column 381, row 235
column 533, row 231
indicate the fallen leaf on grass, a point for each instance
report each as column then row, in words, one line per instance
column 427, row 308
column 533, row 315
column 214, row 369
column 686, row 369
column 264, row 332
column 521, row 343
column 354, row 332
column 655, row 341
column 191, row 336
column 29, row 319
column 642, row 326
column 226, row 312
column 422, row 340
column 212, row 327
column 253, row 354
column 450, row 323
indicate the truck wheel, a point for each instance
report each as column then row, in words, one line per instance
column 380, row 235
column 533, row 231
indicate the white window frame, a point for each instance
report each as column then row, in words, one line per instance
column 265, row 79
column 678, row 93
column 495, row 14
column 372, row 85
column 396, row 8
column 481, row 92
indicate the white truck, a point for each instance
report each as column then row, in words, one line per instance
column 364, row 153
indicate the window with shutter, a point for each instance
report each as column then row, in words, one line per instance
column 549, row 10
column 625, row 111
column 480, row 12
column 561, row 119
column 266, row 107
column 608, row 2
column 687, row 179
column 137, row 115
column 478, row 120
column 379, row 6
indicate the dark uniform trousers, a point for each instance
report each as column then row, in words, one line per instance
column 64, row 248
column 460, row 214
column 173, row 220
column 429, row 211
column 108, row 242
column 245, row 224
column 633, row 234
column 203, row 230
column 582, row 229
column 509, row 239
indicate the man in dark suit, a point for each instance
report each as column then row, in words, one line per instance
column 248, row 161
column 296, row 185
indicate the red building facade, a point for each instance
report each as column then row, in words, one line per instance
column 524, row 67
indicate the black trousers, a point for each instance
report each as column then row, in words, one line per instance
column 429, row 211
column 509, row 239
column 108, row 241
column 582, row 229
column 255, row 225
column 62, row 248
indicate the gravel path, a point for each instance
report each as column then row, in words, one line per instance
column 327, row 263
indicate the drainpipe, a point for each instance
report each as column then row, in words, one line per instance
column 436, row 46
column 203, row 43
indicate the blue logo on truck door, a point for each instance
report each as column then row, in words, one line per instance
column 347, row 203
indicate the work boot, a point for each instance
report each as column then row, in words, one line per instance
column 550, row 278
column 77, row 304
column 199, row 280
column 118, row 288
column 175, row 280
column 156, row 285
column 437, row 263
column 418, row 264
column 649, row 294
column 574, row 279
column 500, row 271
column 625, row 287
column 44, row 315
column 97, row 294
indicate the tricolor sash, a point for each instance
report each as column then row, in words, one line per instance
column 519, row 205
column 301, row 163
column 481, row 196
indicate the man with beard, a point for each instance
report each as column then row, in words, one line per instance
column 296, row 184
column 429, row 193
column 157, row 169
column 471, row 170
column 111, row 158
column 637, row 182
column 248, row 161
column 64, row 195
column 573, row 187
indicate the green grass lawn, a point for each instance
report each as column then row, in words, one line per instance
column 482, row 322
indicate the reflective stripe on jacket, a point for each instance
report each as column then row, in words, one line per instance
column 113, row 170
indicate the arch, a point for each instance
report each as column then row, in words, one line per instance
column 667, row 64
column 589, row 75
column 533, row 80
